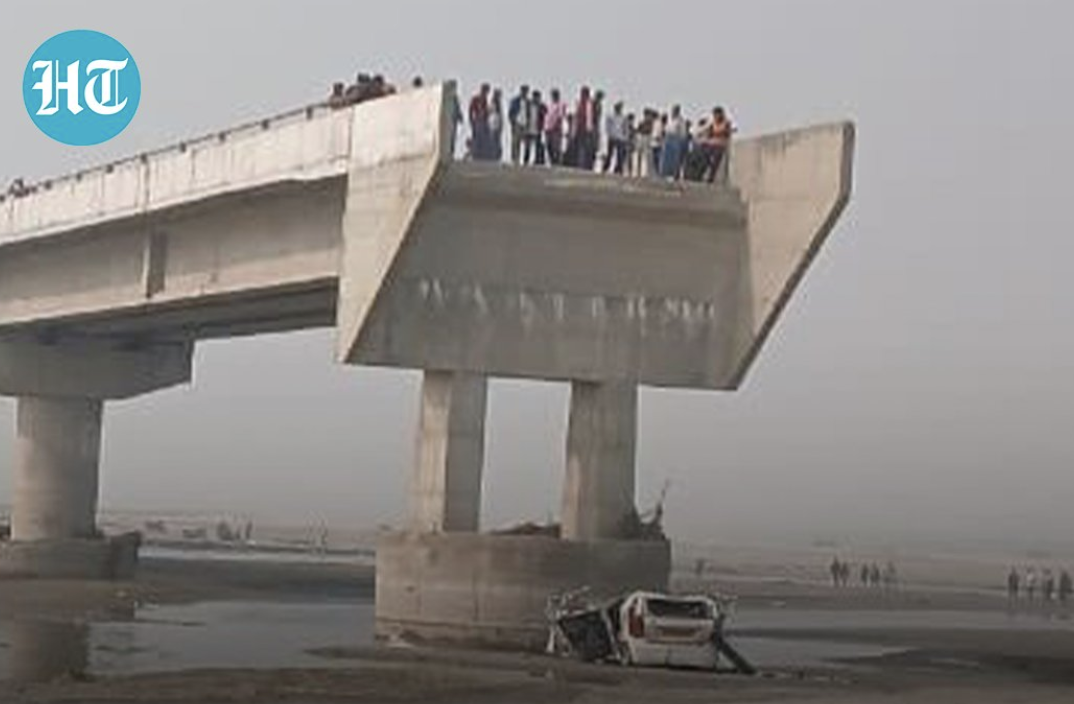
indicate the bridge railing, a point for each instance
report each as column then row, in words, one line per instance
column 303, row 144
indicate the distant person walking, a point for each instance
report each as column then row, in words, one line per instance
column 1066, row 588
column 891, row 577
column 1014, row 584
column 836, row 570
column 1031, row 584
column 874, row 576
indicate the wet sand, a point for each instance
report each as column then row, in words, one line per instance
column 1028, row 658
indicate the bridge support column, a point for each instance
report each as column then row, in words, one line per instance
column 54, row 511
column 598, row 494
column 446, row 489
column 61, row 387
column 492, row 590
column 57, row 451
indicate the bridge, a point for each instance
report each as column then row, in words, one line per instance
column 359, row 219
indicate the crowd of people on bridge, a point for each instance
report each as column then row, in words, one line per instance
column 585, row 134
column 549, row 130
column 366, row 87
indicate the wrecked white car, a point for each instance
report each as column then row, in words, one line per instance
column 644, row 629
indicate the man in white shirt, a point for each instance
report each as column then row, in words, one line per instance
column 615, row 126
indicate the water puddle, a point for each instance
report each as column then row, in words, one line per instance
column 175, row 638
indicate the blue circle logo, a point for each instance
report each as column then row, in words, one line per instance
column 81, row 87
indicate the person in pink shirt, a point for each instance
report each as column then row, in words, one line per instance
column 555, row 122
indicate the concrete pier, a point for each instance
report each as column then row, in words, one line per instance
column 57, row 452
column 599, row 491
column 446, row 490
column 61, row 387
column 54, row 531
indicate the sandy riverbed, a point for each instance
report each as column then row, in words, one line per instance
column 938, row 643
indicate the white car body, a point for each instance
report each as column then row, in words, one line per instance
column 657, row 630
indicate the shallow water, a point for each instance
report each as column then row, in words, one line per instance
column 279, row 635
column 172, row 638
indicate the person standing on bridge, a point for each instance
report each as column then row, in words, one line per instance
column 583, row 130
column 517, row 112
column 533, row 148
column 676, row 140
column 615, row 126
column 593, row 147
column 555, row 122
column 717, row 143
column 480, row 138
column 1066, row 588
column 338, row 99
column 641, row 144
column 496, row 120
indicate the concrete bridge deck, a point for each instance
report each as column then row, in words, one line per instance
column 248, row 231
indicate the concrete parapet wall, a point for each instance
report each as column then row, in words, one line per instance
column 796, row 185
column 492, row 590
column 112, row 558
column 400, row 146
column 304, row 145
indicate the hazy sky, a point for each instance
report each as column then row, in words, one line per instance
column 920, row 385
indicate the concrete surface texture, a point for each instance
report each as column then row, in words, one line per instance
column 493, row 590
column 600, row 486
column 110, row 558
column 446, row 490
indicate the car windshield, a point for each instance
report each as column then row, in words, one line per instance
column 679, row 609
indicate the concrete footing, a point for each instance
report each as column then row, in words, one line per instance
column 107, row 558
column 491, row 591
column 44, row 651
